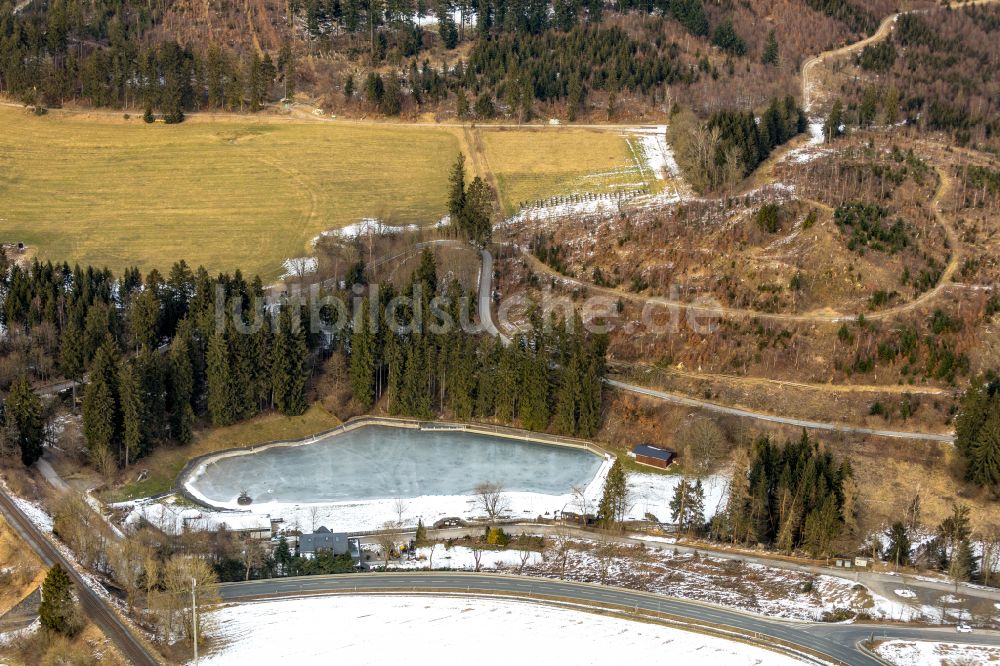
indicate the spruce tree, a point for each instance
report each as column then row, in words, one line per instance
column 362, row 366
column 456, row 191
column 770, row 56
column 832, row 126
column 181, row 387
column 71, row 354
column 133, row 411
column 534, row 392
column 614, row 501
column 101, row 415
column 508, row 383
column 57, row 611
column 898, row 551
column 23, row 415
column 294, row 400
column 567, row 394
column 219, row 379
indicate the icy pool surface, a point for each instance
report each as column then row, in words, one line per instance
column 380, row 462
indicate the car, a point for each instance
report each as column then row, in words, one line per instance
column 963, row 629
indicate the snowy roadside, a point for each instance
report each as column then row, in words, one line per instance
column 926, row 653
column 738, row 585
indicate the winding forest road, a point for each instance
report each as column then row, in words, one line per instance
column 944, row 282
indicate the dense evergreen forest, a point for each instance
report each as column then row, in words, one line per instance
column 137, row 55
column 792, row 496
column 156, row 354
column 551, row 376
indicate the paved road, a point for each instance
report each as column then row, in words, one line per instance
column 94, row 606
column 837, row 642
column 760, row 416
column 485, row 297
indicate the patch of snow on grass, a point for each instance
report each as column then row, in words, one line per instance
column 299, row 266
column 656, row 153
column 651, row 493
column 36, row 514
column 926, row 653
column 427, row 629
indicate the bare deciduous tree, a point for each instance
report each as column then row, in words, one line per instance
column 581, row 502
column 253, row 555
column 126, row 558
column 387, row 539
column 491, row 499
column 605, row 551
column 400, row 507
column 703, row 444
column 559, row 551
column 477, row 553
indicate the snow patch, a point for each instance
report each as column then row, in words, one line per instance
column 926, row 653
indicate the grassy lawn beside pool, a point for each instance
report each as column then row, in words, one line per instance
column 166, row 462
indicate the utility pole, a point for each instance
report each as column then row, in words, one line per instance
column 194, row 618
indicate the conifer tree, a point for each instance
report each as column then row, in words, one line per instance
column 362, row 367
column 462, row 379
column 614, row 504
column 898, row 551
column 101, row 415
column 71, row 354
column 534, row 392
column 219, row 380
column 293, row 401
column 57, row 611
column 456, row 190
column 770, row 56
column 23, row 415
column 832, row 126
column 133, row 411
column 508, row 383
column 181, row 387
column 567, row 397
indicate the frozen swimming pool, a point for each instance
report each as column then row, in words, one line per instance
column 381, row 462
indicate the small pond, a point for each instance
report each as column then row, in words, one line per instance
column 383, row 462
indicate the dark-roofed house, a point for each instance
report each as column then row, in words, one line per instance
column 654, row 456
column 337, row 543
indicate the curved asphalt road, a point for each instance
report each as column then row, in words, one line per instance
column 837, row 642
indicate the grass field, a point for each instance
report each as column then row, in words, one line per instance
column 225, row 194
column 232, row 193
column 166, row 462
column 531, row 165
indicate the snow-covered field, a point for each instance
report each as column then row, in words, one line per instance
column 435, row 630
column 925, row 653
